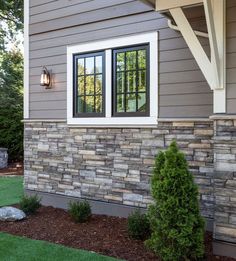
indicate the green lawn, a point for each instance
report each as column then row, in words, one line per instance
column 14, row 248
column 11, row 190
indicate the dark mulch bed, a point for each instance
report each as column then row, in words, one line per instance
column 102, row 234
column 15, row 168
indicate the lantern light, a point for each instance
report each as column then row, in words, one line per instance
column 45, row 78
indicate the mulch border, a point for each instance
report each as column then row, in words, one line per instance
column 102, row 234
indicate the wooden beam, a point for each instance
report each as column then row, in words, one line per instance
column 219, row 16
column 215, row 61
column 164, row 5
column 194, row 45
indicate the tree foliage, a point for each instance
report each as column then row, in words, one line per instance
column 11, row 103
column 176, row 223
column 11, row 20
column 11, row 78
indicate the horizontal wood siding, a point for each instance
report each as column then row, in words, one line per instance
column 231, row 57
column 183, row 91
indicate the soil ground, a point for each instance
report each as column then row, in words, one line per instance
column 14, row 169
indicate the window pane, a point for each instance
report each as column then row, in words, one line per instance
column 142, row 59
column 89, row 103
column 80, row 63
column 90, row 65
column 120, row 82
column 98, row 64
column 98, row 103
column 121, row 103
column 81, row 85
column 131, row 81
column 99, row 84
column 120, row 62
column 131, row 103
column 131, row 60
column 89, row 84
column 141, row 81
column 89, row 88
column 80, row 104
column 142, row 102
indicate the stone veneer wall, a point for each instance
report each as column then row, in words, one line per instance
column 113, row 165
column 225, row 180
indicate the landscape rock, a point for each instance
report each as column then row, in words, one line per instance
column 11, row 214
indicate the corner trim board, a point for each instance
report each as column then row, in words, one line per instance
column 26, row 59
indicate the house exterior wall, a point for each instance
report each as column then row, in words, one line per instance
column 183, row 91
column 113, row 165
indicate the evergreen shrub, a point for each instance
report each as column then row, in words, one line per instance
column 176, row 224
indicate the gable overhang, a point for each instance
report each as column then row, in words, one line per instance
column 213, row 67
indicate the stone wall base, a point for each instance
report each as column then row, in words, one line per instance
column 222, row 248
column 98, row 207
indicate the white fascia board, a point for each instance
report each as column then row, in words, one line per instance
column 107, row 45
column 26, row 59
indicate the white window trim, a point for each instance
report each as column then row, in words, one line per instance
column 152, row 39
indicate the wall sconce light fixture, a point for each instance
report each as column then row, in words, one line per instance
column 45, row 78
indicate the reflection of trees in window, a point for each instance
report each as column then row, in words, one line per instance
column 89, row 85
column 130, row 83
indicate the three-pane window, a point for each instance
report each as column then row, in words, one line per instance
column 130, row 84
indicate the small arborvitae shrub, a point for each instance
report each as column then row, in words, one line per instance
column 30, row 204
column 138, row 225
column 80, row 211
column 176, row 224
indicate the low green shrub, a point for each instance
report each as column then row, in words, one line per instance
column 138, row 225
column 30, row 204
column 80, row 211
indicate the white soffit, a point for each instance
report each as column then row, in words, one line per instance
column 165, row 5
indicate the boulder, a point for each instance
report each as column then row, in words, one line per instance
column 11, row 214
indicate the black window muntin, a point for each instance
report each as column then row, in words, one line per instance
column 114, row 81
column 75, row 84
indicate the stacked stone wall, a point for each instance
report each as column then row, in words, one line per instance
column 225, row 180
column 114, row 165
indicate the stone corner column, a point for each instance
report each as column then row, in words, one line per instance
column 224, row 144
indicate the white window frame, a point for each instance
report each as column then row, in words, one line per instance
column 150, row 38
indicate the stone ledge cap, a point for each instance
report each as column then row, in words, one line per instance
column 223, row 117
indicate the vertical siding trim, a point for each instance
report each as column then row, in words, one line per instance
column 219, row 96
column 26, row 59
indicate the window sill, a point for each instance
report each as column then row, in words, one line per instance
column 126, row 122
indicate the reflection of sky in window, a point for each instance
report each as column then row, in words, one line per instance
column 90, row 65
column 99, row 64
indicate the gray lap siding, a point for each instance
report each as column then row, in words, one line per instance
column 52, row 30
